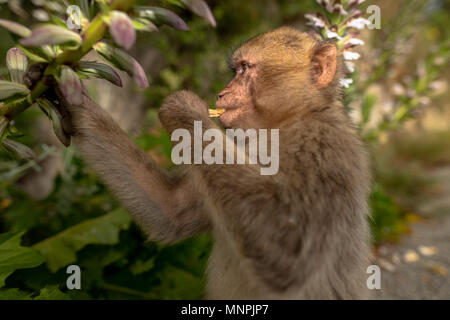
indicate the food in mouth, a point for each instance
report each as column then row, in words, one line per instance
column 214, row 113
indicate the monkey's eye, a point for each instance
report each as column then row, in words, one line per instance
column 243, row 68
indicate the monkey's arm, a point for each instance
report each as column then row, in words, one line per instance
column 167, row 208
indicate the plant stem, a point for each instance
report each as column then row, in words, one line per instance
column 93, row 33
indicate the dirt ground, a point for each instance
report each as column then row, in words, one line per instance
column 418, row 267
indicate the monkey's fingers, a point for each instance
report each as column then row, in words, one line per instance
column 63, row 107
column 214, row 113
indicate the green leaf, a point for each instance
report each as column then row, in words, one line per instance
column 200, row 8
column 140, row 266
column 4, row 122
column 366, row 108
column 161, row 16
column 99, row 70
column 52, row 293
column 14, row 294
column 9, row 89
column 35, row 57
column 123, row 61
column 56, row 117
column 85, row 8
column 20, row 150
column 141, row 24
column 13, row 256
column 15, row 28
column 60, row 250
column 52, row 35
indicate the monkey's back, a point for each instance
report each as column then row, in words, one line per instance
column 325, row 178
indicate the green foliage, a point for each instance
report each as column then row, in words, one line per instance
column 60, row 250
column 387, row 220
column 13, row 256
column 75, row 225
column 51, row 293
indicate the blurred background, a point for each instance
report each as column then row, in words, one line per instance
column 399, row 100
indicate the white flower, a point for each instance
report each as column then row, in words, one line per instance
column 350, row 66
column 355, row 2
column 439, row 86
column 345, row 82
column 398, row 89
column 358, row 23
column 341, row 9
column 424, row 101
column 349, row 55
column 331, row 35
column 40, row 15
column 314, row 21
column 388, row 106
column 356, row 42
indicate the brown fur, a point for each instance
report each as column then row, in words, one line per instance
column 299, row 234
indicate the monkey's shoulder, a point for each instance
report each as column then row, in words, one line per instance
column 325, row 151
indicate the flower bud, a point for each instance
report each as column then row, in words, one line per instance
column 122, row 29
column 71, row 86
column 17, row 64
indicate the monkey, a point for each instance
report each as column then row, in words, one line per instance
column 299, row 234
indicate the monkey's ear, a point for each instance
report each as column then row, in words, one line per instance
column 324, row 64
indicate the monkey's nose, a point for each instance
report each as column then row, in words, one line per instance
column 222, row 94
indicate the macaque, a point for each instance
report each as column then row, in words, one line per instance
column 299, row 234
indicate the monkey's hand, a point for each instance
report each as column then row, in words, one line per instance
column 181, row 109
column 35, row 74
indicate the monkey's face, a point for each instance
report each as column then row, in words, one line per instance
column 275, row 73
column 236, row 98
